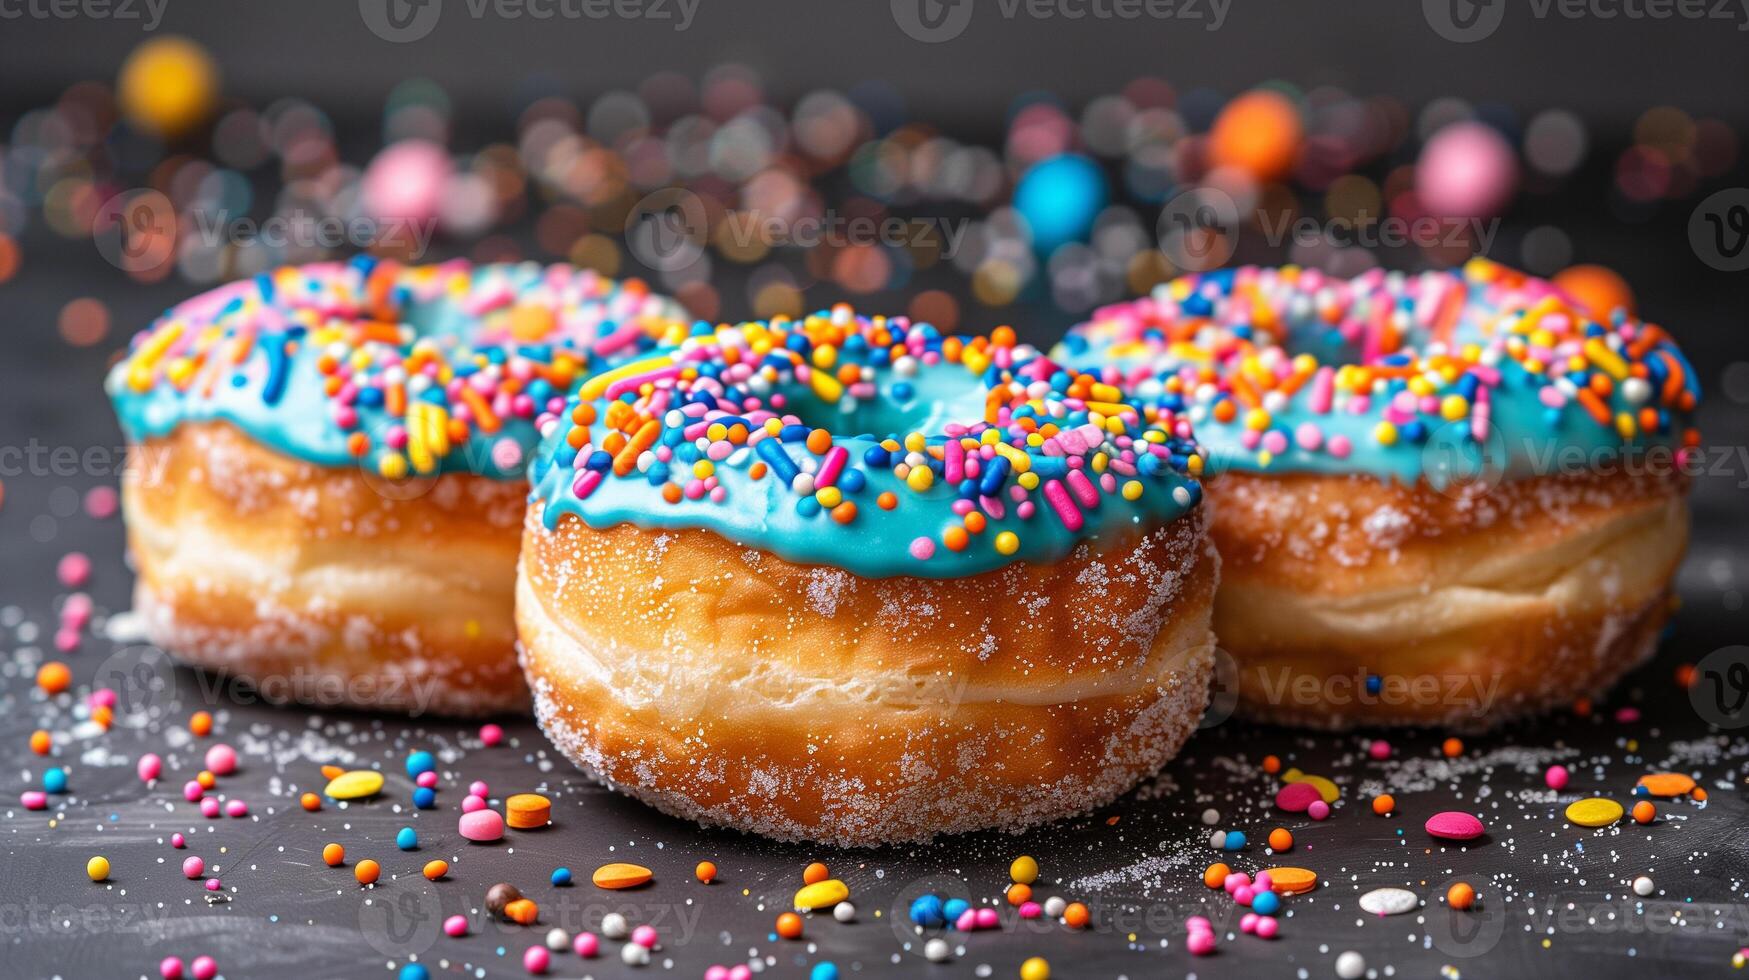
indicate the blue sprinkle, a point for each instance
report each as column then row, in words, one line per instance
column 419, row 762
column 954, row 908
column 425, row 797
column 926, row 911
column 1266, row 903
column 415, row 971
column 55, row 780
column 561, row 877
column 407, row 839
column 823, row 971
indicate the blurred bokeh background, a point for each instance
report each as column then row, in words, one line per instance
column 972, row 162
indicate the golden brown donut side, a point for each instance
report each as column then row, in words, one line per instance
column 323, row 585
column 1472, row 607
column 729, row 686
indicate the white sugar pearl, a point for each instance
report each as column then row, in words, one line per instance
column 844, row 912
column 634, row 955
column 1211, row 816
column 1351, row 965
column 1643, row 886
column 558, row 940
column 1054, row 907
column 613, row 926
column 936, row 951
column 1218, row 839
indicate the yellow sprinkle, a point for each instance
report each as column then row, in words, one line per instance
column 1132, row 490
column 1385, row 434
column 1007, row 542
column 920, row 478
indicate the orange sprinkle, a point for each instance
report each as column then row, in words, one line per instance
column 844, row 513
column 334, row 855
column 1271, row 764
column 1076, row 916
column 310, row 802
column 523, row 912
column 1460, row 896
column 815, row 872
column 705, row 872
column 1645, row 812
column 955, row 538
column 1383, row 804
column 789, row 925
column 1281, row 839
column 1453, row 747
column 54, row 677
column 41, row 742
column 201, row 724
column 1019, row 894
column 1216, row 875
column 887, row 500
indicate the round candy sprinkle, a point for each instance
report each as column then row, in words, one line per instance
column 1266, row 903
column 310, row 802
column 815, row 872
column 177, row 841
column 54, row 677
column 221, row 759
column 434, row 870
column 1451, row 748
column 1211, row 816
column 1216, row 875
column 1556, row 778
column 1035, row 968
column 631, row 954
column 789, row 925
column 558, row 940
column 97, row 868
column 1383, row 804
column 201, row 723
column 1379, row 749
column 334, row 855
column 426, row 779
column 1389, row 901
column 645, row 936
column 491, row 734
column 481, row 826
column 535, row 959
column 586, row 945
column 192, row 867
column 34, row 800
column 1645, row 812
column 1453, row 825
column 407, row 838
column 55, row 780
column 1643, row 886
column 937, row 951
column 1024, row 869
column 367, row 871
column 149, row 767
column 1461, row 896
column 616, row 876
column 455, row 926
column 561, row 877
column 1292, row 881
column 1281, row 839
column 170, row 968
column 354, row 785
column 203, row 968
column 825, row 970
column 844, row 912
column 1319, row 810
column 420, row 762
column 1594, row 812
column 527, row 811
column 705, row 872
column 415, row 971
column 1350, row 965
column 614, row 926
column 424, row 798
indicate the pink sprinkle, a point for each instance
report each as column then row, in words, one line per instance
column 1065, row 509
column 644, row 936
column 1627, row 716
column 1556, row 778
column 967, row 921
column 536, row 959
column 74, row 569
column 491, row 734
column 203, row 968
column 149, row 767
column 481, row 826
column 193, row 867
column 470, row 803
column 922, row 548
column 1454, row 825
column 426, row 779
column 1086, row 494
column 1267, row 927
column 34, row 799
column 987, row 918
column 1340, row 447
column 1319, row 810
column 456, row 926
column 170, row 968
column 221, row 759
column 100, row 502
column 1248, row 924
column 1197, row 923
column 213, row 885
column 1379, row 749
column 192, row 791
column 209, row 808
column 178, row 841
column 479, row 788
column 237, row 808
column 66, row 640
column 103, row 697
column 1244, row 894
column 586, row 945
column 1200, row 943
column 1030, row 910
column 831, row 466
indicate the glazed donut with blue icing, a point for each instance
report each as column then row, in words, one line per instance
column 1447, row 498
column 328, row 474
column 847, row 580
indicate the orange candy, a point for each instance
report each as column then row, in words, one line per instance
column 789, row 925
column 310, row 802
column 1383, row 804
column 41, row 742
column 1076, row 916
column 1460, row 896
column 434, row 870
column 367, row 872
column 1645, row 812
column 1216, row 875
column 1452, row 748
column 523, row 912
column 103, row 714
column 201, row 724
column 815, row 872
column 1019, row 894
column 334, row 855
column 1280, row 839
column 1258, row 132
column 1271, row 764
column 54, row 677
column 705, row 872
column 528, row 811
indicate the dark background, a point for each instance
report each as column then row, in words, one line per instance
column 1137, row 862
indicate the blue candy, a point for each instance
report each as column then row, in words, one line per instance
column 419, row 762
column 407, row 839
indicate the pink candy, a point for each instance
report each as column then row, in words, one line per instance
column 1319, row 810
column 491, row 735
column 170, row 968
column 213, row 885
column 1454, row 825
column 221, row 759
column 1030, row 910
column 100, row 502
column 470, row 803
column 1267, row 927
column 1200, row 943
column 478, row 788
column 74, row 569
column 149, row 767
column 1296, row 797
column 426, row 779
column 536, row 959
column 209, row 808
column 456, row 926
column 586, row 945
column 1379, row 749
column 237, row 808
column 1556, row 777
column 34, row 799
column 987, row 918
column 644, row 936
column 193, row 867
column 177, row 841
column 481, row 826
column 192, row 791
column 203, row 968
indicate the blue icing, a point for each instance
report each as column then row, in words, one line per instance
column 277, row 394
column 770, row 515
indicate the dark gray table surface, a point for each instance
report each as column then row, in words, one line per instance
column 1555, row 899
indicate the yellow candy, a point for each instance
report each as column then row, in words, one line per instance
column 1595, row 812
column 822, row 894
column 1326, row 789
column 1024, row 870
column 355, row 785
column 97, row 868
column 1007, row 543
column 1035, row 968
column 621, row 876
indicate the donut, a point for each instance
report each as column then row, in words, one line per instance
column 843, row 579
column 327, row 475
column 1448, row 499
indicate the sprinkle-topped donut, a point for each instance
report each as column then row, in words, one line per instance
column 405, row 369
column 1399, row 376
column 871, row 444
